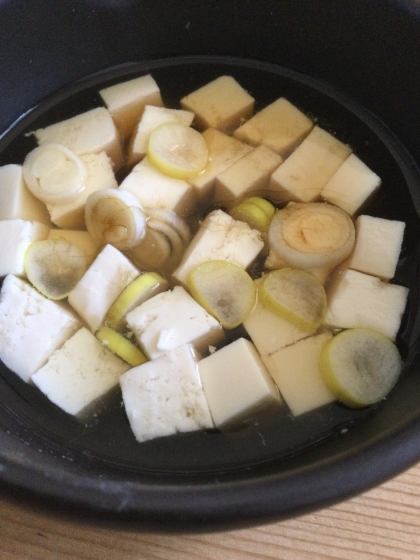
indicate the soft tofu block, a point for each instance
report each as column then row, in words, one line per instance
column 356, row 299
column 351, row 185
column 71, row 215
column 220, row 237
column 79, row 373
column 249, row 176
column 296, row 373
column 237, row 384
column 221, row 104
column 16, row 200
column 15, row 237
column 82, row 239
column 156, row 191
column 126, row 101
column 101, row 284
column 153, row 117
column 223, row 151
column 280, row 126
column 31, row 327
column 165, row 396
column 307, row 170
column 88, row 133
column 378, row 246
column 171, row 319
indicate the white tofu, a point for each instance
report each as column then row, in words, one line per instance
column 378, row 246
column 82, row 239
column 100, row 176
column 126, row 101
column 88, row 133
column 296, row 373
column 351, row 185
column 356, row 299
column 31, row 327
column 249, row 176
column 151, row 118
column 79, row 373
column 156, row 191
column 220, row 237
column 307, row 170
column 16, row 200
column 223, row 152
column 221, row 104
column 171, row 319
column 15, row 237
column 270, row 332
column 101, row 284
column 237, row 384
column 280, row 126
column 164, row 396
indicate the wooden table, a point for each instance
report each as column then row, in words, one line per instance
column 383, row 523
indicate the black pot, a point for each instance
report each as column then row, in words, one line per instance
column 355, row 65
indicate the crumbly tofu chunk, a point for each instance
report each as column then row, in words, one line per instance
column 223, row 152
column 126, row 101
column 351, row 185
column 156, row 191
column 165, row 396
column 88, row 133
column 31, row 327
column 153, row 117
column 270, row 332
column 15, row 237
column 356, row 299
column 279, row 126
column 378, row 246
column 296, row 373
column 82, row 239
column 249, row 176
column 79, row 373
column 16, row 200
column 71, row 215
column 307, row 170
column 101, row 284
column 171, row 319
column 237, row 384
column 220, row 237
column 221, row 104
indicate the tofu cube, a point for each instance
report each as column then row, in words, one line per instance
column 237, row 384
column 220, row 237
column 101, row 284
column 31, row 327
column 165, row 397
column 126, row 101
column 308, row 169
column 16, row 200
column 79, row 373
column 296, row 373
column 15, row 237
column 156, row 191
column 356, row 299
column 71, row 215
column 351, row 185
column 82, row 239
column 223, row 152
column 280, row 126
column 221, row 104
column 153, row 117
column 249, row 176
column 378, row 246
column 88, row 133
column 171, row 319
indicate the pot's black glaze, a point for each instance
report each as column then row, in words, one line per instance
column 208, row 481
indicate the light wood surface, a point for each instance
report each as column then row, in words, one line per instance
column 383, row 523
